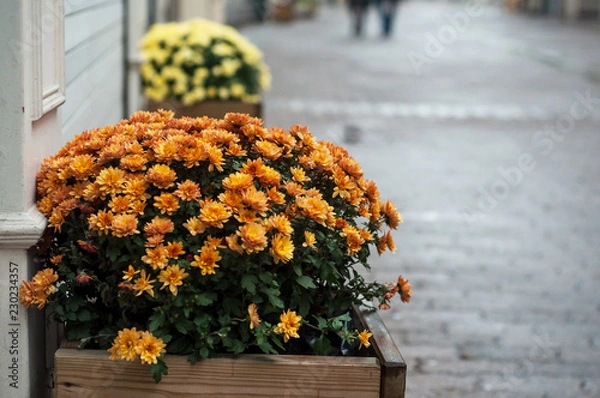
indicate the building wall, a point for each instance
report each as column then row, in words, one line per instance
column 94, row 65
column 240, row 12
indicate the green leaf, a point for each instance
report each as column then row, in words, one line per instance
column 266, row 277
column 275, row 301
column 180, row 345
column 183, row 326
column 156, row 321
column 267, row 348
column 78, row 332
column 85, row 315
column 306, row 282
column 297, row 270
column 205, row 299
column 322, row 346
column 159, row 369
column 204, row 352
column 249, row 282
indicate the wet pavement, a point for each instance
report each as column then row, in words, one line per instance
column 484, row 128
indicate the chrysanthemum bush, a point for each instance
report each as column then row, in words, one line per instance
column 202, row 236
column 201, row 60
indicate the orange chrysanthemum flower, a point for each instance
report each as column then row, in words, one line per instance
column 215, row 157
column 150, row 348
column 268, row 177
column 255, row 200
column 172, row 277
column 159, row 226
column 309, row 239
column 363, row 338
column 253, row 316
column 268, row 149
column 275, row 196
column 144, row 284
column 135, row 188
column 154, row 240
column 405, row 289
column 124, row 225
column 125, row 345
column 110, row 181
column 391, row 216
column 188, row 190
column 194, row 226
column 207, row 260
column 101, row 222
column 175, row 249
column 315, row 208
column 238, row 181
column 233, row 243
column 157, row 257
column 161, row 175
column 299, row 175
column 353, row 239
column 288, row 325
column 214, row 214
column 82, row 166
column 281, row 223
column 133, row 162
column 167, row 203
column 254, row 237
column 130, row 273
column 282, row 248
column 119, row 204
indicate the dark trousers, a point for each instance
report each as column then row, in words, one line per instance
column 359, row 9
column 387, row 9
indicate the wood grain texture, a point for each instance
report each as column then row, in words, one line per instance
column 216, row 109
column 89, row 373
column 393, row 367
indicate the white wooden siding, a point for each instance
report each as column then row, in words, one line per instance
column 94, row 65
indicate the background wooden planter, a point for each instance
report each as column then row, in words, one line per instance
column 216, row 109
column 89, row 373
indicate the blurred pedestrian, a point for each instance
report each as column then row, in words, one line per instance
column 359, row 9
column 387, row 10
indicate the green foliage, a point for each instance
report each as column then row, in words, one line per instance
column 267, row 255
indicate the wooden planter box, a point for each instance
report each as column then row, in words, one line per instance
column 216, row 109
column 89, row 373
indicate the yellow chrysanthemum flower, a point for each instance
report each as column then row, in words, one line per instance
column 282, row 248
column 207, row 260
column 149, row 348
column 288, row 325
column 144, row 284
column 125, row 345
column 254, row 237
column 172, row 277
column 364, row 337
column 253, row 316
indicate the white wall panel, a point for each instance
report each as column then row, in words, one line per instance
column 95, row 64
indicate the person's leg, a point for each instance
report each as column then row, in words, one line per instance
column 388, row 18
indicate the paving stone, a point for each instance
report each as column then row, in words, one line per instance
column 504, row 261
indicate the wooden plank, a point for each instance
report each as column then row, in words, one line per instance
column 83, row 373
column 85, row 25
column 216, row 109
column 393, row 367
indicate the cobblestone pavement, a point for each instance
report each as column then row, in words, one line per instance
column 489, row 147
